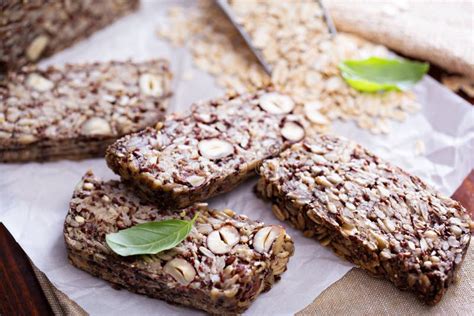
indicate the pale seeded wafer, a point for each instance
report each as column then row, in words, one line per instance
column 196, row 156
column 226, row 261
column 31, row 30
column 373, row 214
column 76, row 111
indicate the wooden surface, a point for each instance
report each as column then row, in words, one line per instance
column 465, row 194
column 20, row 291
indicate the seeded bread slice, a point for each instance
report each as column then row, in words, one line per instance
column 31, row 30
column 210, row 151
column 76, row 111
column 221, row 267
column 371, row 213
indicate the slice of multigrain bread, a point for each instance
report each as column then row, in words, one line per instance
column 191, row 158
column 226, row 261
column 76, row 111
column 370, row 212
column 31, row 30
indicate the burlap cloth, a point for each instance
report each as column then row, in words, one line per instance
column 60, row 303
column 441, row 32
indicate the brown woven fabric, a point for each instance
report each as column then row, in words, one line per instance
column 441, row 32
column 357, row 293
column 60, row 303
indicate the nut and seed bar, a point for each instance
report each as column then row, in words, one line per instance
column 76, row 111
column 218, row 145
column 221, row 267
column 370, row 212
column 31, row 30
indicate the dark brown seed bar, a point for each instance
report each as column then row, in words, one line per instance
column 210, row 151
column 371, row 213
column 76, row 111
column 221, row 267
column 31, row 30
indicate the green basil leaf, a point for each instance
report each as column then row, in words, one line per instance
column 376, row 74
column 149, row 238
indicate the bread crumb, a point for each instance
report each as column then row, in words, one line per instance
column 420, row 147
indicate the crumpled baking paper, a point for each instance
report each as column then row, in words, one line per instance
column 34, row 197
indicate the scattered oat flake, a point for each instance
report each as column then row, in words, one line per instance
column 420, row 147
column 295, row 41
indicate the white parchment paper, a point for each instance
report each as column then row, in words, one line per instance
column 34, row 197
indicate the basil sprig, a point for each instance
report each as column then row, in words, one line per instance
column 150, row 238
column 377, row 74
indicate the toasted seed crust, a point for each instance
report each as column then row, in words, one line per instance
column 195, row 273
column 31, row 30
column 371, row 213
column 197, row 156
column 76, row 111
